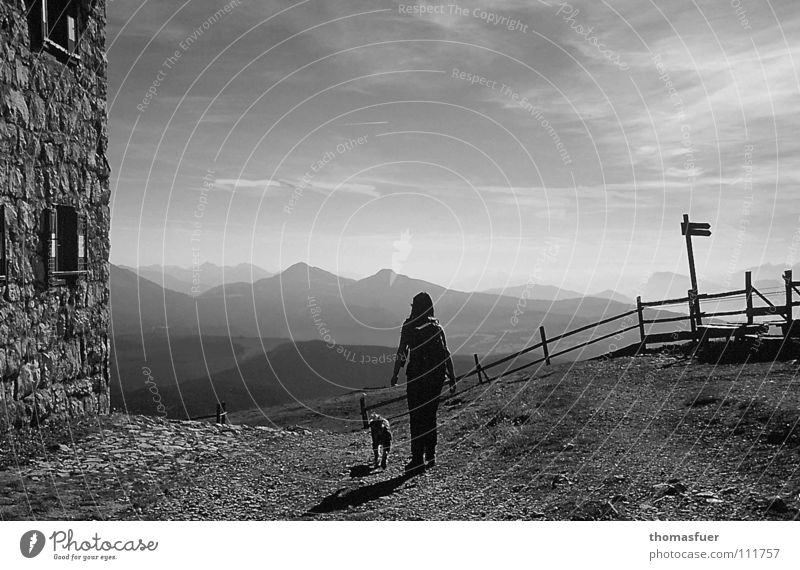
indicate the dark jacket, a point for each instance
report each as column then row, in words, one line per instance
column 423, row 347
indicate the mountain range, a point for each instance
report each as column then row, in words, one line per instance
column 196, row 280
column 308, row 303
column 660, row 285
column 544, row 292
column 282, row 337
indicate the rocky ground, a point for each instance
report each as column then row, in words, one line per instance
column 642, row 438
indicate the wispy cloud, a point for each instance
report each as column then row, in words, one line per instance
column 328, row 188
column 234, row 184
column 365, row 124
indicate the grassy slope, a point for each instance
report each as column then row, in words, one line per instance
column 595, row 439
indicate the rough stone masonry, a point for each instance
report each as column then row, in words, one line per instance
column 54, row 344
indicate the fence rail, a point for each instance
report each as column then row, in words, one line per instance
column 698, row 333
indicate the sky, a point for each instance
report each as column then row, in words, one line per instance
column 473, row 145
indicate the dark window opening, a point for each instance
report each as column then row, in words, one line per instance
column 3, row 246
column 54, row 25
column 67, row 243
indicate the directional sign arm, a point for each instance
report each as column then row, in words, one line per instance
column 698, row 229
column 695, row 228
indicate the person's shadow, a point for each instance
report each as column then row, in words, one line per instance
column 343, row 498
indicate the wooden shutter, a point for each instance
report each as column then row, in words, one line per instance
column 45, row 26
column 81, row 242
column 72, row 33
column 3, row 249
column 52, row 249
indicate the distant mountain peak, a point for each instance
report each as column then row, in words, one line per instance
column 304, row 273
column 302, row 268
column 385, row 275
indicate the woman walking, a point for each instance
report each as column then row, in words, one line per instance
column 424, row 347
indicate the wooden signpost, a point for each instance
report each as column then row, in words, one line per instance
column 789, row 285
column 690, row 229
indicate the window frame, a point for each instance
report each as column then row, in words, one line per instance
column 71, row 13
column 55, row 255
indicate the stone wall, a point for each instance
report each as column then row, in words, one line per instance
column 54, row 347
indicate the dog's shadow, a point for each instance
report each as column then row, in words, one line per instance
column 344, row 498
column 361, row 470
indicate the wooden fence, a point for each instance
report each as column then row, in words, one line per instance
column 220, row 416
column 698, row 331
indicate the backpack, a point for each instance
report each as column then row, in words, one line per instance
column 428, row 348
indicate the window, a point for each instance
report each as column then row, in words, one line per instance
column 54, row 25
column 3, row 246
column 67, row 241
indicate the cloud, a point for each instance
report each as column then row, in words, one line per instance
column 263, row 185
column 328, row 188
column 366, row 123
column 234, row 184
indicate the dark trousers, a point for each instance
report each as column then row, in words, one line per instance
column 423, row 402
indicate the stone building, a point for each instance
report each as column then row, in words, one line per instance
column 54, row 211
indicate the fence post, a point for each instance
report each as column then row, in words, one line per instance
column 544, row 346
column 364, row 418
column 787, row 277
column 748, row 288
column 478, row 368
column 640, row 312
column 219, row 412
column 692, row 307
column 224, row 414
column 698, row 319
